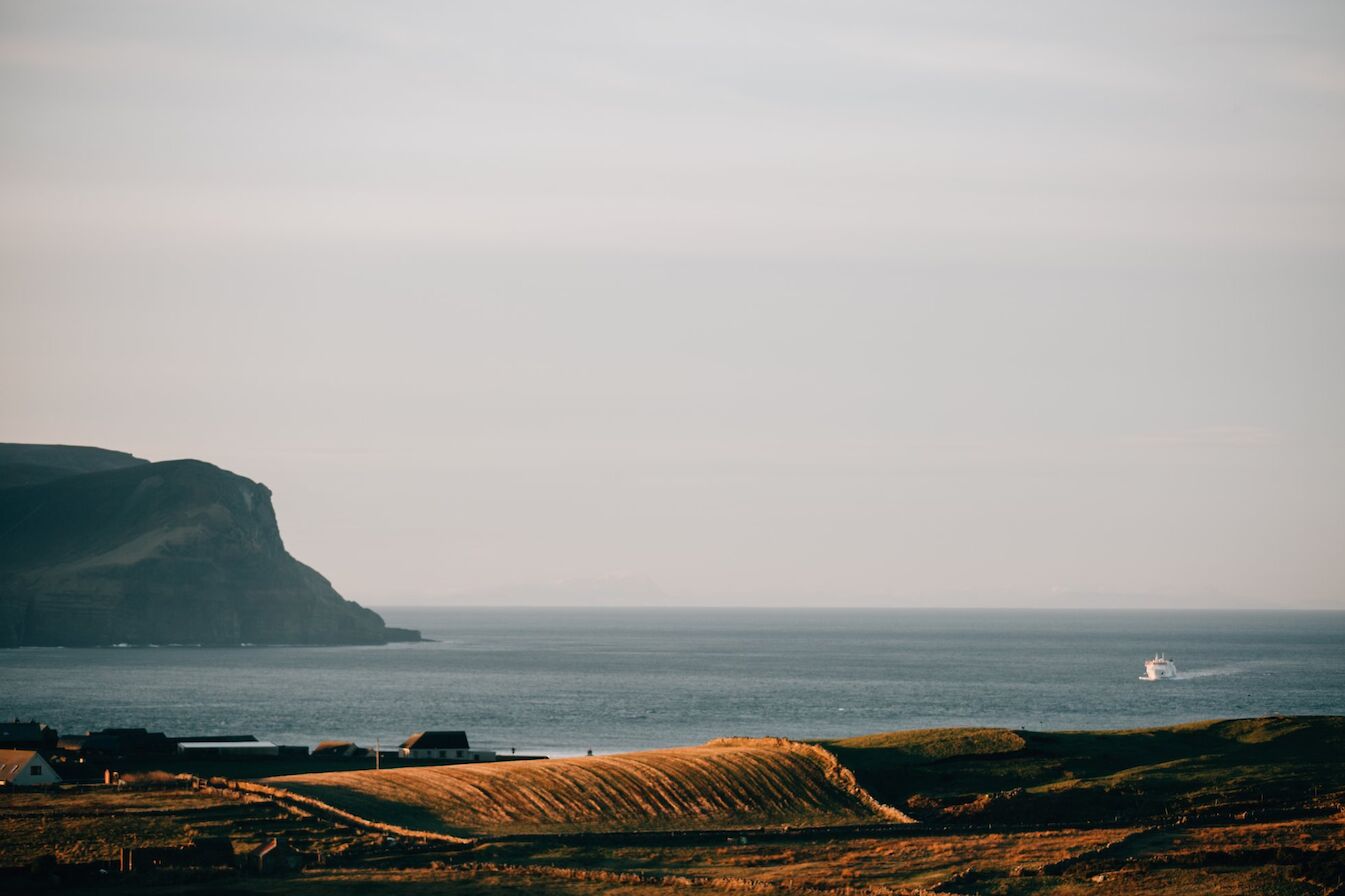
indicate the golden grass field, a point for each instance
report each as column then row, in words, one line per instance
column 1271, row 791
column 90, row 825
column 867, row 866
column 896, row 862
column 81, row 827
column 723, row 784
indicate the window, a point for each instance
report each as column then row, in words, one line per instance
column 443, row 754
column 459, row 754
column 35, row 770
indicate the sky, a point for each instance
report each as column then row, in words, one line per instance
column 698, row 303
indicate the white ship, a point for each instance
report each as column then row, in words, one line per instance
column 1159, row 667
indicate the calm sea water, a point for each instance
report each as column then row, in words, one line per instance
column 564, row 681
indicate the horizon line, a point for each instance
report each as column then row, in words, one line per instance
column 966, row 607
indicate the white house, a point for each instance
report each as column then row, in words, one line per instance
column 26, row 768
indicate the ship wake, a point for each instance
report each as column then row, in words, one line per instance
column 1215, row 672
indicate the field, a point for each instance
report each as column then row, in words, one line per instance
column 726, row 784
column 976, row 776
column 886, row 861
column 94, row 824
column 968, row 864
column 1240, row 807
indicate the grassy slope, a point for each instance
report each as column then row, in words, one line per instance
column 971, row 775
column 993, row 774
column 717, row 785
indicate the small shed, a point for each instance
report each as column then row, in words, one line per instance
column 341, row 749
column 275, row 856
column 26, row 768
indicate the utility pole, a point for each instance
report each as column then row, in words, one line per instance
column 378, row 754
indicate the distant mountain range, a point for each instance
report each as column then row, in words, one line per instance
column 100, row 547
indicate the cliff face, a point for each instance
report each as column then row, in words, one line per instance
column 179, row 552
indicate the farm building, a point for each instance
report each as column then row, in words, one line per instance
column 229, row 748
column 30, row 735
column 26, row 768
column 341, row 749
column 113, row 743
column 450, row 746
column 216, row 739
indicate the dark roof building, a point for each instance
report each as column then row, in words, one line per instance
column 26, row 735
column 437, row 740
column 113, row 742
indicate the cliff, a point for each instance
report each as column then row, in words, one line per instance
column 33, row 464
column 99, row 547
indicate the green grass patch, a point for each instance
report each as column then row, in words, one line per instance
column 989, row 774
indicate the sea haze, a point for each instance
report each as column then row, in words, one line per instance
column 563, row 681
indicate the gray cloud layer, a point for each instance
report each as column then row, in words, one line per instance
column 787, row 302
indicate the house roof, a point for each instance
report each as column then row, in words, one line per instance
column 123, row 741
column 14, row 761
column 339, row 748
column 437, row 740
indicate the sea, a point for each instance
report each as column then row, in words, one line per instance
column 562, row 682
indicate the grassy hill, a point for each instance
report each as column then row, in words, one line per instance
column 22, row 464
column 973, row 776
column 720, row 785
column 989, row 774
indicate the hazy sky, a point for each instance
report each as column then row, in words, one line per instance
column 750, row 302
